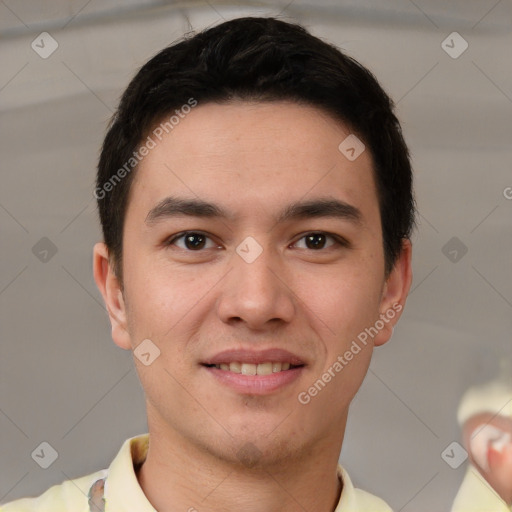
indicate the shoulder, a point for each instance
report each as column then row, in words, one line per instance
column 73, row 495
column 356, row 500
column 69, row 495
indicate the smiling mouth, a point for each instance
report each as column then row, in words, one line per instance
column 266, row 368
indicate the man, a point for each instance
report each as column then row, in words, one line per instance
column 255, row 194
column 485, row 415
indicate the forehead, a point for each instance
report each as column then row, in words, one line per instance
column 255, row 154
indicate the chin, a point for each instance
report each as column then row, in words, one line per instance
column 257, row 450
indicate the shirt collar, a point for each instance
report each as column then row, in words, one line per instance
column 122, row 490
column 357, row 500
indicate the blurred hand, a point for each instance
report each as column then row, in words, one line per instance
column 488, row 440
column 500, row 471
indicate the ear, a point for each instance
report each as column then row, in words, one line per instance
column 109, row 286
column 394, row 293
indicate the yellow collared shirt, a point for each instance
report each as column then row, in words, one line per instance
column 122, row 493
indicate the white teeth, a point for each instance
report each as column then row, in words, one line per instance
column 235, row 367
column 248, row 369
column 276, row 367
column 254, row 369
column 264, row 369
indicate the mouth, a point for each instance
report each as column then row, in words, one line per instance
column 266, row 368
column 255, row 373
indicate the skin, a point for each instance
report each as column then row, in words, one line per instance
column 212, row 448
column 499, row 474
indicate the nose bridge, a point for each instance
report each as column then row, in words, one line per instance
column 254, row 291
column 254, row 268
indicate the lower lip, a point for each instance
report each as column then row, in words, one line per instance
column 256, row 384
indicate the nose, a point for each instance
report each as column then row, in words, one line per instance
column 257, row 293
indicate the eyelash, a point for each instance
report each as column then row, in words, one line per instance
column 337, row 239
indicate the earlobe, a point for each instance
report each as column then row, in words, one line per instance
column 109, row 286
column 394, row 294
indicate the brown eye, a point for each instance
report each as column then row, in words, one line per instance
column 319, row 240
column 192, row 241
column 315, row 241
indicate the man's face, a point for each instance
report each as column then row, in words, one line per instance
column 254, row 286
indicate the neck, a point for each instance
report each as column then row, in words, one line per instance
column 178, row 475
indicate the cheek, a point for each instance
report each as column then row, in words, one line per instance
column 350, row 307
column 153, row 298
column 164, row 299
column 348, row 299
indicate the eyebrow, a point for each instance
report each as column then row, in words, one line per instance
column 316, row 208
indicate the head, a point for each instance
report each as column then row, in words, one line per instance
column 255, row 195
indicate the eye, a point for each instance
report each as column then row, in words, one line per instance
column 195, row 241
column 317, row 240
column 192, row 241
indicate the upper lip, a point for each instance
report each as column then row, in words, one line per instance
column 274, row 355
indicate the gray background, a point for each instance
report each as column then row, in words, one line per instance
column 62, row 378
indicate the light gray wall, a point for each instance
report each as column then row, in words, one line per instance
column 64, row 381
